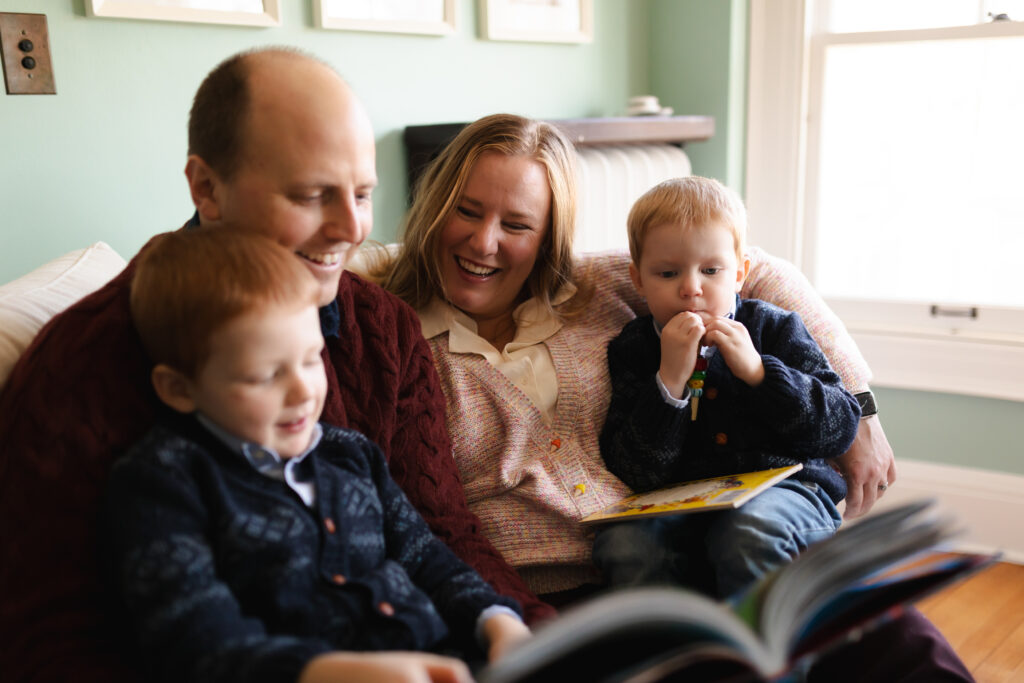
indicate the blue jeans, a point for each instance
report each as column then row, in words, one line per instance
column 718, row 553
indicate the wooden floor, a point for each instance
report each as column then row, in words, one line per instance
column 983, row 618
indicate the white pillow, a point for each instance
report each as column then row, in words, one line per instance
column 26, row 304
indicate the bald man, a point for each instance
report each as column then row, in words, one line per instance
column 278, row 144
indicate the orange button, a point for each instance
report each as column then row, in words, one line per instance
column 721, row 439
column 386, row 609
column 339, row 579
column 711, row 394
column 329, row 525
column 557, row 443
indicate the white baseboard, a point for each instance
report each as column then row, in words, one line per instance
column 989, row 504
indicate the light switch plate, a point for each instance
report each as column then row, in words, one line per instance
column 20, row 80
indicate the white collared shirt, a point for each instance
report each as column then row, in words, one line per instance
column 268, row 462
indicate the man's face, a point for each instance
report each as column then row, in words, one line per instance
column 308, row 168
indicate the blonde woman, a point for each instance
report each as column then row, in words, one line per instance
column 518, row 329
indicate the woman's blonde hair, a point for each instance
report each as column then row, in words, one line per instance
column 414, row 274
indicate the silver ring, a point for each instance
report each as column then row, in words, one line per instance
column 882, row 487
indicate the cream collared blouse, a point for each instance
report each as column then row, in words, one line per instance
column 525, row 361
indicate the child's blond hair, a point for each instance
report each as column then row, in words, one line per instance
column 690, row 202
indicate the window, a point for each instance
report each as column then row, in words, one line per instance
column 902, row 192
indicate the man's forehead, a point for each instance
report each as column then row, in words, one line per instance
column 314, row 113
column 302, row 117
column 300, row 157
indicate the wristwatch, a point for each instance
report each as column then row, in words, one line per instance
column 868, row 407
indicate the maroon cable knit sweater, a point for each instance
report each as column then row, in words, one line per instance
column 80, row 395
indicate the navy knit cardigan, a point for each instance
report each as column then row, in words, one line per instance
column 799, row 413
column 226, row 575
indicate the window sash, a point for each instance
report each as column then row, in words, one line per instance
column 906, row 345
column 987, row 324
column 830, row 16
column 818, row 45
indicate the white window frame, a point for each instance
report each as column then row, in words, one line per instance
column 905, row 344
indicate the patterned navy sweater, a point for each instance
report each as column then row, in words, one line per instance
column 799, row 413
column 226, row 575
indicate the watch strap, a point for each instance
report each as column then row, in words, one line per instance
column 868, row 407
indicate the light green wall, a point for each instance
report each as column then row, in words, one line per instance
column 698, row 53
column 103, row 159
column 954, row 430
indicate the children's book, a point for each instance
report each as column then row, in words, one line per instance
column 829, row 594
column 699, row 495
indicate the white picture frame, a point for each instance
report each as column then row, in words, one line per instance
column 239, row 12
column 424, row 17
column 539, row 21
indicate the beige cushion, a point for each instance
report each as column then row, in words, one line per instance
column 26, row 304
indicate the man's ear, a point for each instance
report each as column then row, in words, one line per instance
column 742, row 271
column 202, row 185
column 173, row 388
column 634, row 275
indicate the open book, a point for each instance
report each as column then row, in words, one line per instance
column 699, row 495
column 829, row 593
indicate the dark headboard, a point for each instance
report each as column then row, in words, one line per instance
column 423, row 143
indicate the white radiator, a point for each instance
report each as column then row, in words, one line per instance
column 611, row 178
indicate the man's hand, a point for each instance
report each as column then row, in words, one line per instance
column 868, row 467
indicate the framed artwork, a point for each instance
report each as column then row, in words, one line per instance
column 243, row 12
column 544, row 21
column 428, row 17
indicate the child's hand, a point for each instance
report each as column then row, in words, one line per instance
column 738, row 352
column 680, row 340
column 376, row 667
column 502, row 632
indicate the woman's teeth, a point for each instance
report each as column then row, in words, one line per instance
column 327, row 259
column 475, row 269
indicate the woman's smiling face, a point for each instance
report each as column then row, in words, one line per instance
column 490, row 243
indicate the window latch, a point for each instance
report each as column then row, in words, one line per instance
column 954, row 311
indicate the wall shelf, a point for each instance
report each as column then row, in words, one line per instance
column 638, row 129
column 423, row 143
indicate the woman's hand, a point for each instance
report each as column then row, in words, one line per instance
column 384, row 667
column 738, row 352
column 502, row 632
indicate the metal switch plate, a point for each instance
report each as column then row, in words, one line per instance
column 25, row 46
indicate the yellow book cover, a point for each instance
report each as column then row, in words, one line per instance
column 700, row 495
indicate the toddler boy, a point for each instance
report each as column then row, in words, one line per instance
column 247, row 540
column 709, row 385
